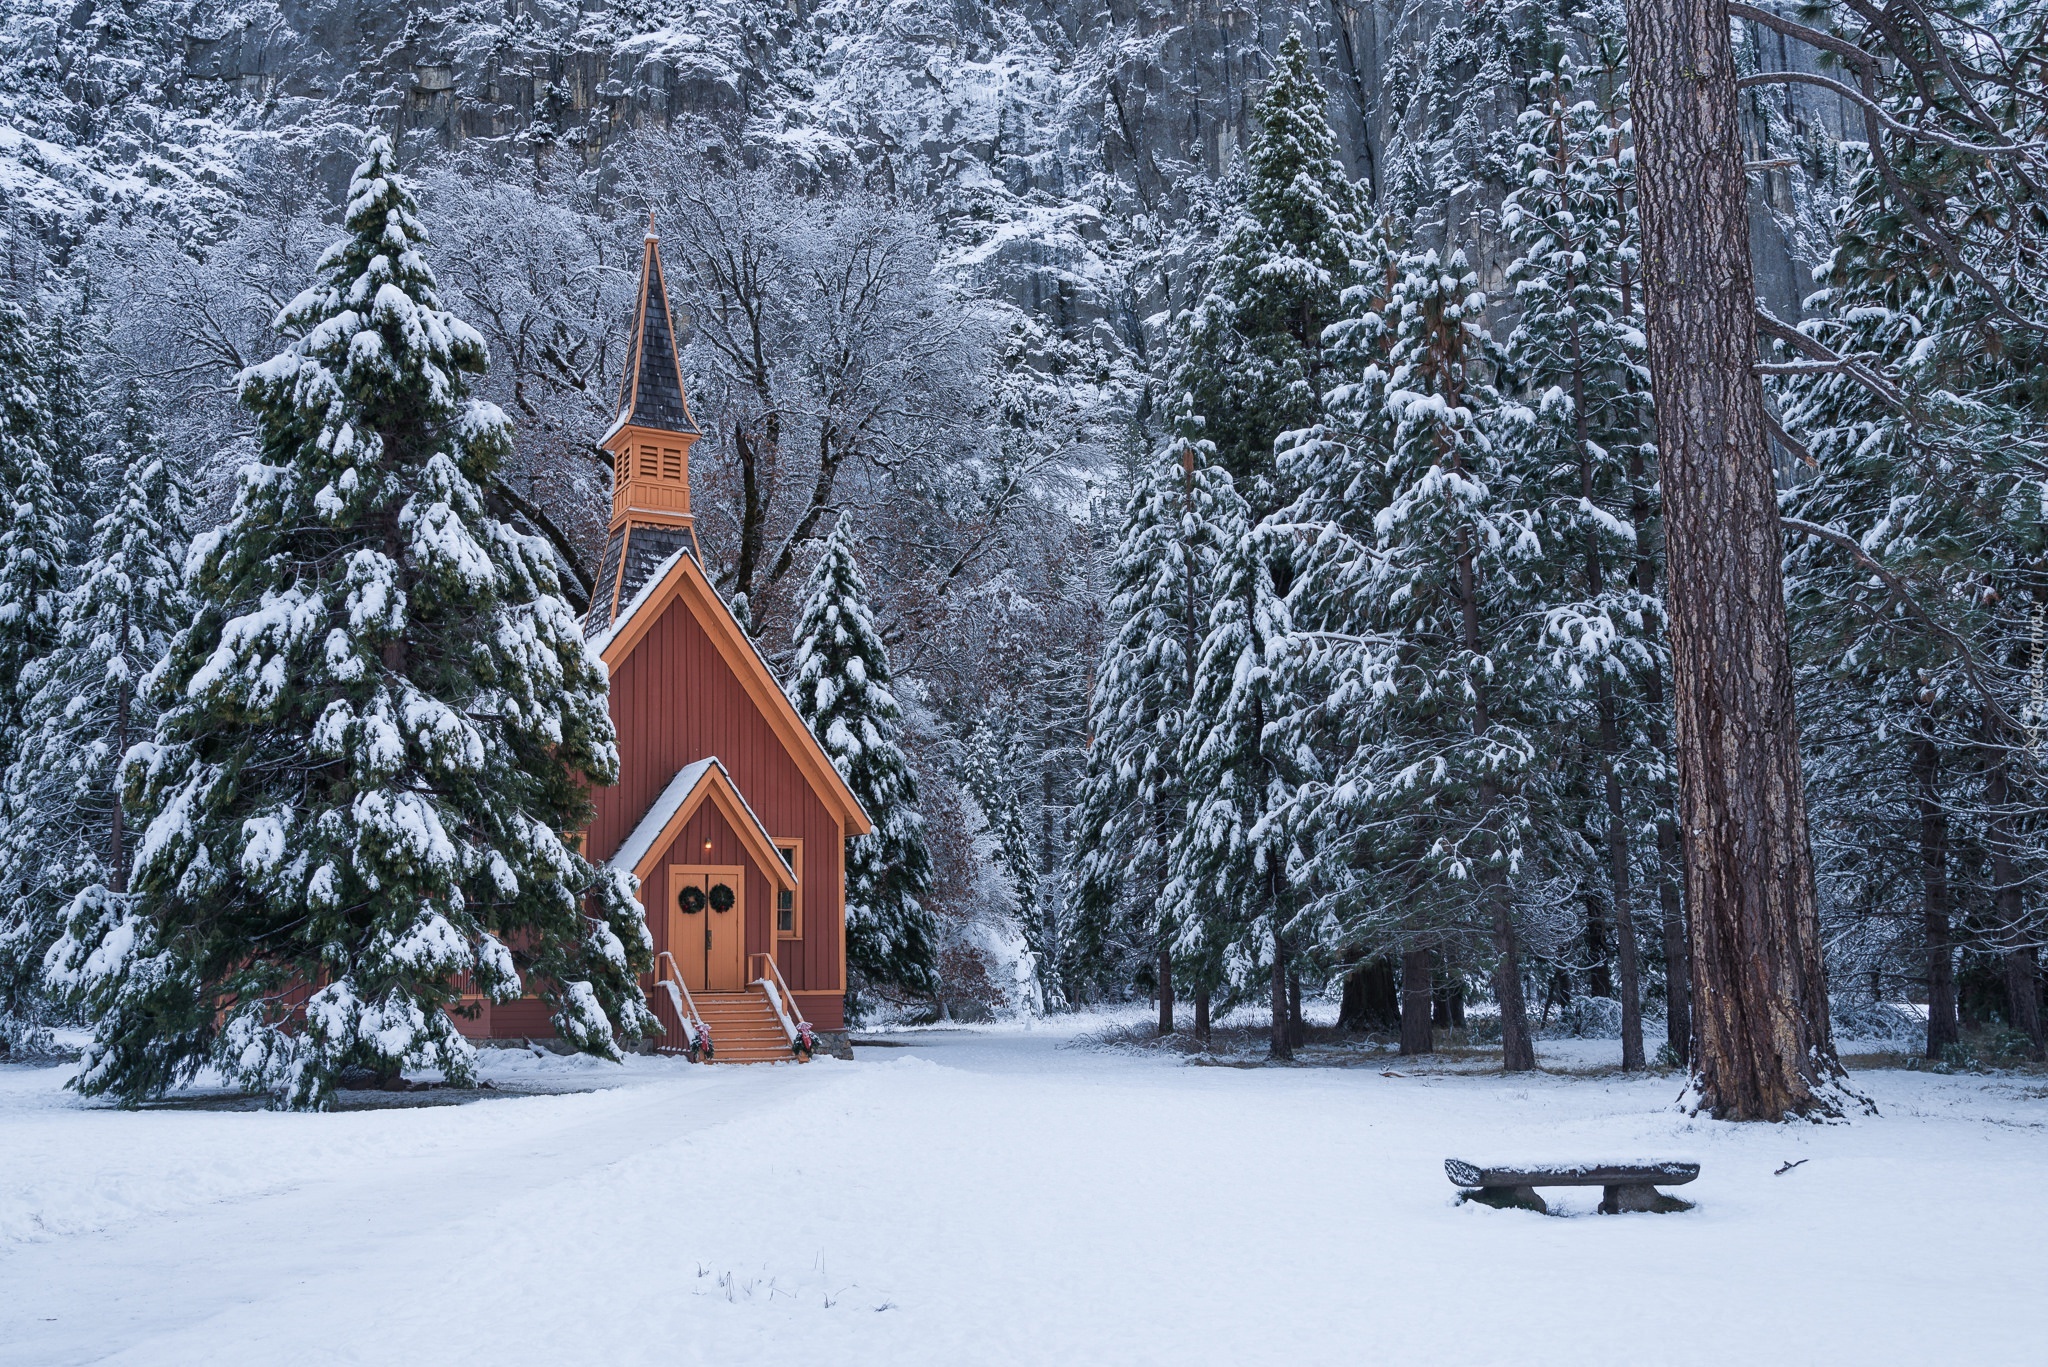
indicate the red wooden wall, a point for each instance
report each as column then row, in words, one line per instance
column 674, row 700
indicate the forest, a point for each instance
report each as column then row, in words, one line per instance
column 1567, row 551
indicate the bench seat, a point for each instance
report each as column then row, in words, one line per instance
column 1625, row 1186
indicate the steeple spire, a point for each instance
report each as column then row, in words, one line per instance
column 652, row 393
column 649, row 443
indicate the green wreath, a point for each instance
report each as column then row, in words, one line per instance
column 722, row 897
column 691, row 899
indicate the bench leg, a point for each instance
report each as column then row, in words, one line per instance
column 1507, row 1198
column 1629, row 1197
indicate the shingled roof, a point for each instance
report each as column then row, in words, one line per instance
column 653, row 392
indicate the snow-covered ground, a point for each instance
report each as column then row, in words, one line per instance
column 998, row 1196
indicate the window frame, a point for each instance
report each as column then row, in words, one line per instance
column 794, row 846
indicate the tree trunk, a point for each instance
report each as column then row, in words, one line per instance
column 1278, row 1036
column 1624, row 897
column 1943, row 1029
column 1599, row 978
column 1371, row 999
column 1202, row 1015
column 2022, row 973
column 1670, row 876
column 1677, row 945
column 1165, row 987
column 2023, row 996
column 1415, row 1003
column 1297, row 1029
column 1765, row 1050
column 1517, row 1051
column 117, row 859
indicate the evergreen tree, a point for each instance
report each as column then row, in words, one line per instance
column 1250, row 359
column 1426, row 637
column 377, row 731
column 841, row 688
column 1134, row 795
column 1917, row 586
column 1227, row 866
column 34, row 541
column 1577, row 354
column 88, row 699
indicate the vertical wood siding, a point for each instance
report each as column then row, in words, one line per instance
column 674, row 700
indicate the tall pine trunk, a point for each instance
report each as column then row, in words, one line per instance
column 1280, row 1042
column 1607, row 707
column 1165, row 985
column 1670, row 875
column 2022, row 971
column 1297, row 1028
column 1518, row 1054
column 1624, row 905
column 1202, row 1014
column 117, row 855
column 1765, row 1050
column 1415, row 1003
column 1943, row 1029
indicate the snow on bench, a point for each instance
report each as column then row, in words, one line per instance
column 1626, row 1186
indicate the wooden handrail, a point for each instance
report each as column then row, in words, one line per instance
column 779, row 995
column 686, row 1006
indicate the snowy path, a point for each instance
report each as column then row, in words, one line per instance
column 993, row 1198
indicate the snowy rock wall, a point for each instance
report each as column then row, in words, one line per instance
column 1027, row 123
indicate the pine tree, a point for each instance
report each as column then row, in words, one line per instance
column 88, row 699
column 1226, row 890
column 841, row 688
column 1134, row 794
column 1250, row 359
column 34, row 538
column 1420, row 639
column 377, row 731
column 1577, row 353
column 1922, row 517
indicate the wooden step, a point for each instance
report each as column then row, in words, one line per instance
column 744, row 1028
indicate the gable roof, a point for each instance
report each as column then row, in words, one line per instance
column 694, row 784
column 681, row 578
column 652, row 394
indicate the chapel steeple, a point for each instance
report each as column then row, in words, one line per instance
column 649, row 443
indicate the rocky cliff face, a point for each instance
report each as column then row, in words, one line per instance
column 1038, row 129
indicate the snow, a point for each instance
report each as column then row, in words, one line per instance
column 671, row 801
column 1008, row 1195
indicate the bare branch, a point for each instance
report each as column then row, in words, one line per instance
column 1877, row 111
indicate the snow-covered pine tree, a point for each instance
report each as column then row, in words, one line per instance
column 88, row 699
column 840, row 686
column 377, row 731
column 80, row 441
column 1181, row 518
column 35, row 537
column 1583, row 460
column 1918, row 587
column 1250, row 353
column 1440, row 672
column 1226, row 888
column 1352, row 876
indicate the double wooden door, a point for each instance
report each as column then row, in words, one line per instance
column 707, row 925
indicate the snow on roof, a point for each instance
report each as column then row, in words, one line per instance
column 597, row 644
column 672, row 800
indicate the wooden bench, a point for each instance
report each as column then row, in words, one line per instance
column 1626, row 1186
